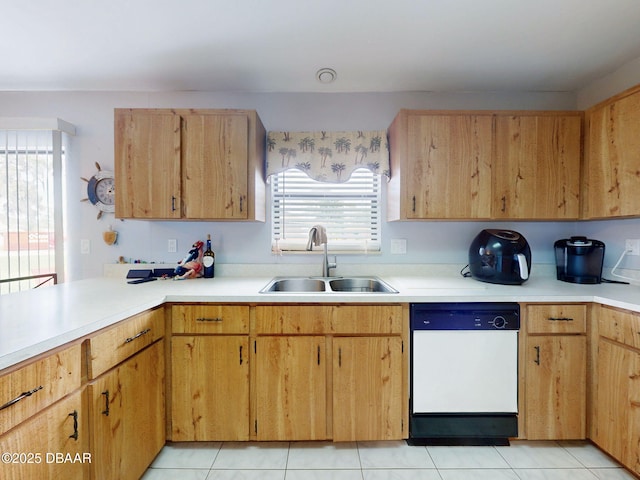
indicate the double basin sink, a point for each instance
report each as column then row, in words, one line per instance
column 328, row 285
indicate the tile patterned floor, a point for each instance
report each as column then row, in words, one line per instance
column 522, row 460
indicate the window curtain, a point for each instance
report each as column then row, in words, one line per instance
column 32, row 154
column 328, row 156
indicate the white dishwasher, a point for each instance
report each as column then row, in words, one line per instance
column 464, row 373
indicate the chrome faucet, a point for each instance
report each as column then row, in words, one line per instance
column 318, row 236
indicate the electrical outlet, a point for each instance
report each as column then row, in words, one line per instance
column 633, row 246
column 172, row 245
column 398, row 246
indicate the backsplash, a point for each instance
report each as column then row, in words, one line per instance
column 428, row 243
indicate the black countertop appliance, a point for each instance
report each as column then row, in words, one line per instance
column 579, row 260
column 500, row 256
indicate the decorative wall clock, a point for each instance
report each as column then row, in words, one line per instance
column 101, row 191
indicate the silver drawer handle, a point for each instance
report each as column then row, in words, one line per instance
column 20, row 397
column 561, row 319
column 205, row 319
column 143, row 332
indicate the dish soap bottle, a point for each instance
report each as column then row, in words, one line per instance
column 208, row 259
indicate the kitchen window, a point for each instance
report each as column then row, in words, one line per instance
column 30, row 206
column 350, row 211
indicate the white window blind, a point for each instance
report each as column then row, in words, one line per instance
column 350, row 211
column 30, row 206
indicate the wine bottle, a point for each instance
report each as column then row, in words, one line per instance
column 208, row 259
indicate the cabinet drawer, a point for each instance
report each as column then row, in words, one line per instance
column 49, row 379
column 329, row 319
column 620, row 325
column 210, row 319
column 568, row 318
column 293, row 319
column 367, row 319
column 118, row 343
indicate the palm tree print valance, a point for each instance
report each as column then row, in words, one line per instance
column 328, row 156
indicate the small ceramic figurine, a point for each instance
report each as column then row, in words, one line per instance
column 191, row 265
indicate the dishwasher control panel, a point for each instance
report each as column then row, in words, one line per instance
column 465, row 316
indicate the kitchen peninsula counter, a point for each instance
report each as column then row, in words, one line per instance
column 36, row 321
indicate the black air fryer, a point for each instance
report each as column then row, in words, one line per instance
column 579, row 260
column 500, row 256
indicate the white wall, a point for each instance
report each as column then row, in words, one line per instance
column 615, row 82
column 428, row 242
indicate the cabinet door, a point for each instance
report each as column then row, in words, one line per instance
column 367, row 388
column 49, row 444
column 617, row 425
column 215, row 160
column 612, row 162
column 210, row 388
column 126, row 415
column 147, row 164
column 555, row 387
column 448, row 171
column 536, row 169
column 291, row 388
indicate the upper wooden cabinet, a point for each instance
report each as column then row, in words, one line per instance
column 189, row 164
column 485, row 165
column 612, row 157
column 536, row 168
column 441, row 165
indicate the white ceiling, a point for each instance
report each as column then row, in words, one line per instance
column 278, row 45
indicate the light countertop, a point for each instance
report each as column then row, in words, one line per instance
column 35, row 321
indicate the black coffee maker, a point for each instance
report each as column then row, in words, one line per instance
column 579, row 260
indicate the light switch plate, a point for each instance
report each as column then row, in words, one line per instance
column 85, row 246
column 172, row 245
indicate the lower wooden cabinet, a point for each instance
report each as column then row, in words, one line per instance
column 367, row 388
column 330, row 372
column 616, row 426
column 556, row 387
column 51, row 444
column 555, row 371
column 210, row 388
column 296, row 389
column 291, row 388
column 127, row 416
column 47, row 380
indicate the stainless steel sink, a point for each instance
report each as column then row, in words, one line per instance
column 361, row 285
column 328, row 285
column 295, row 285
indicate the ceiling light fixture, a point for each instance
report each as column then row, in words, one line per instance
column 326, row 75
